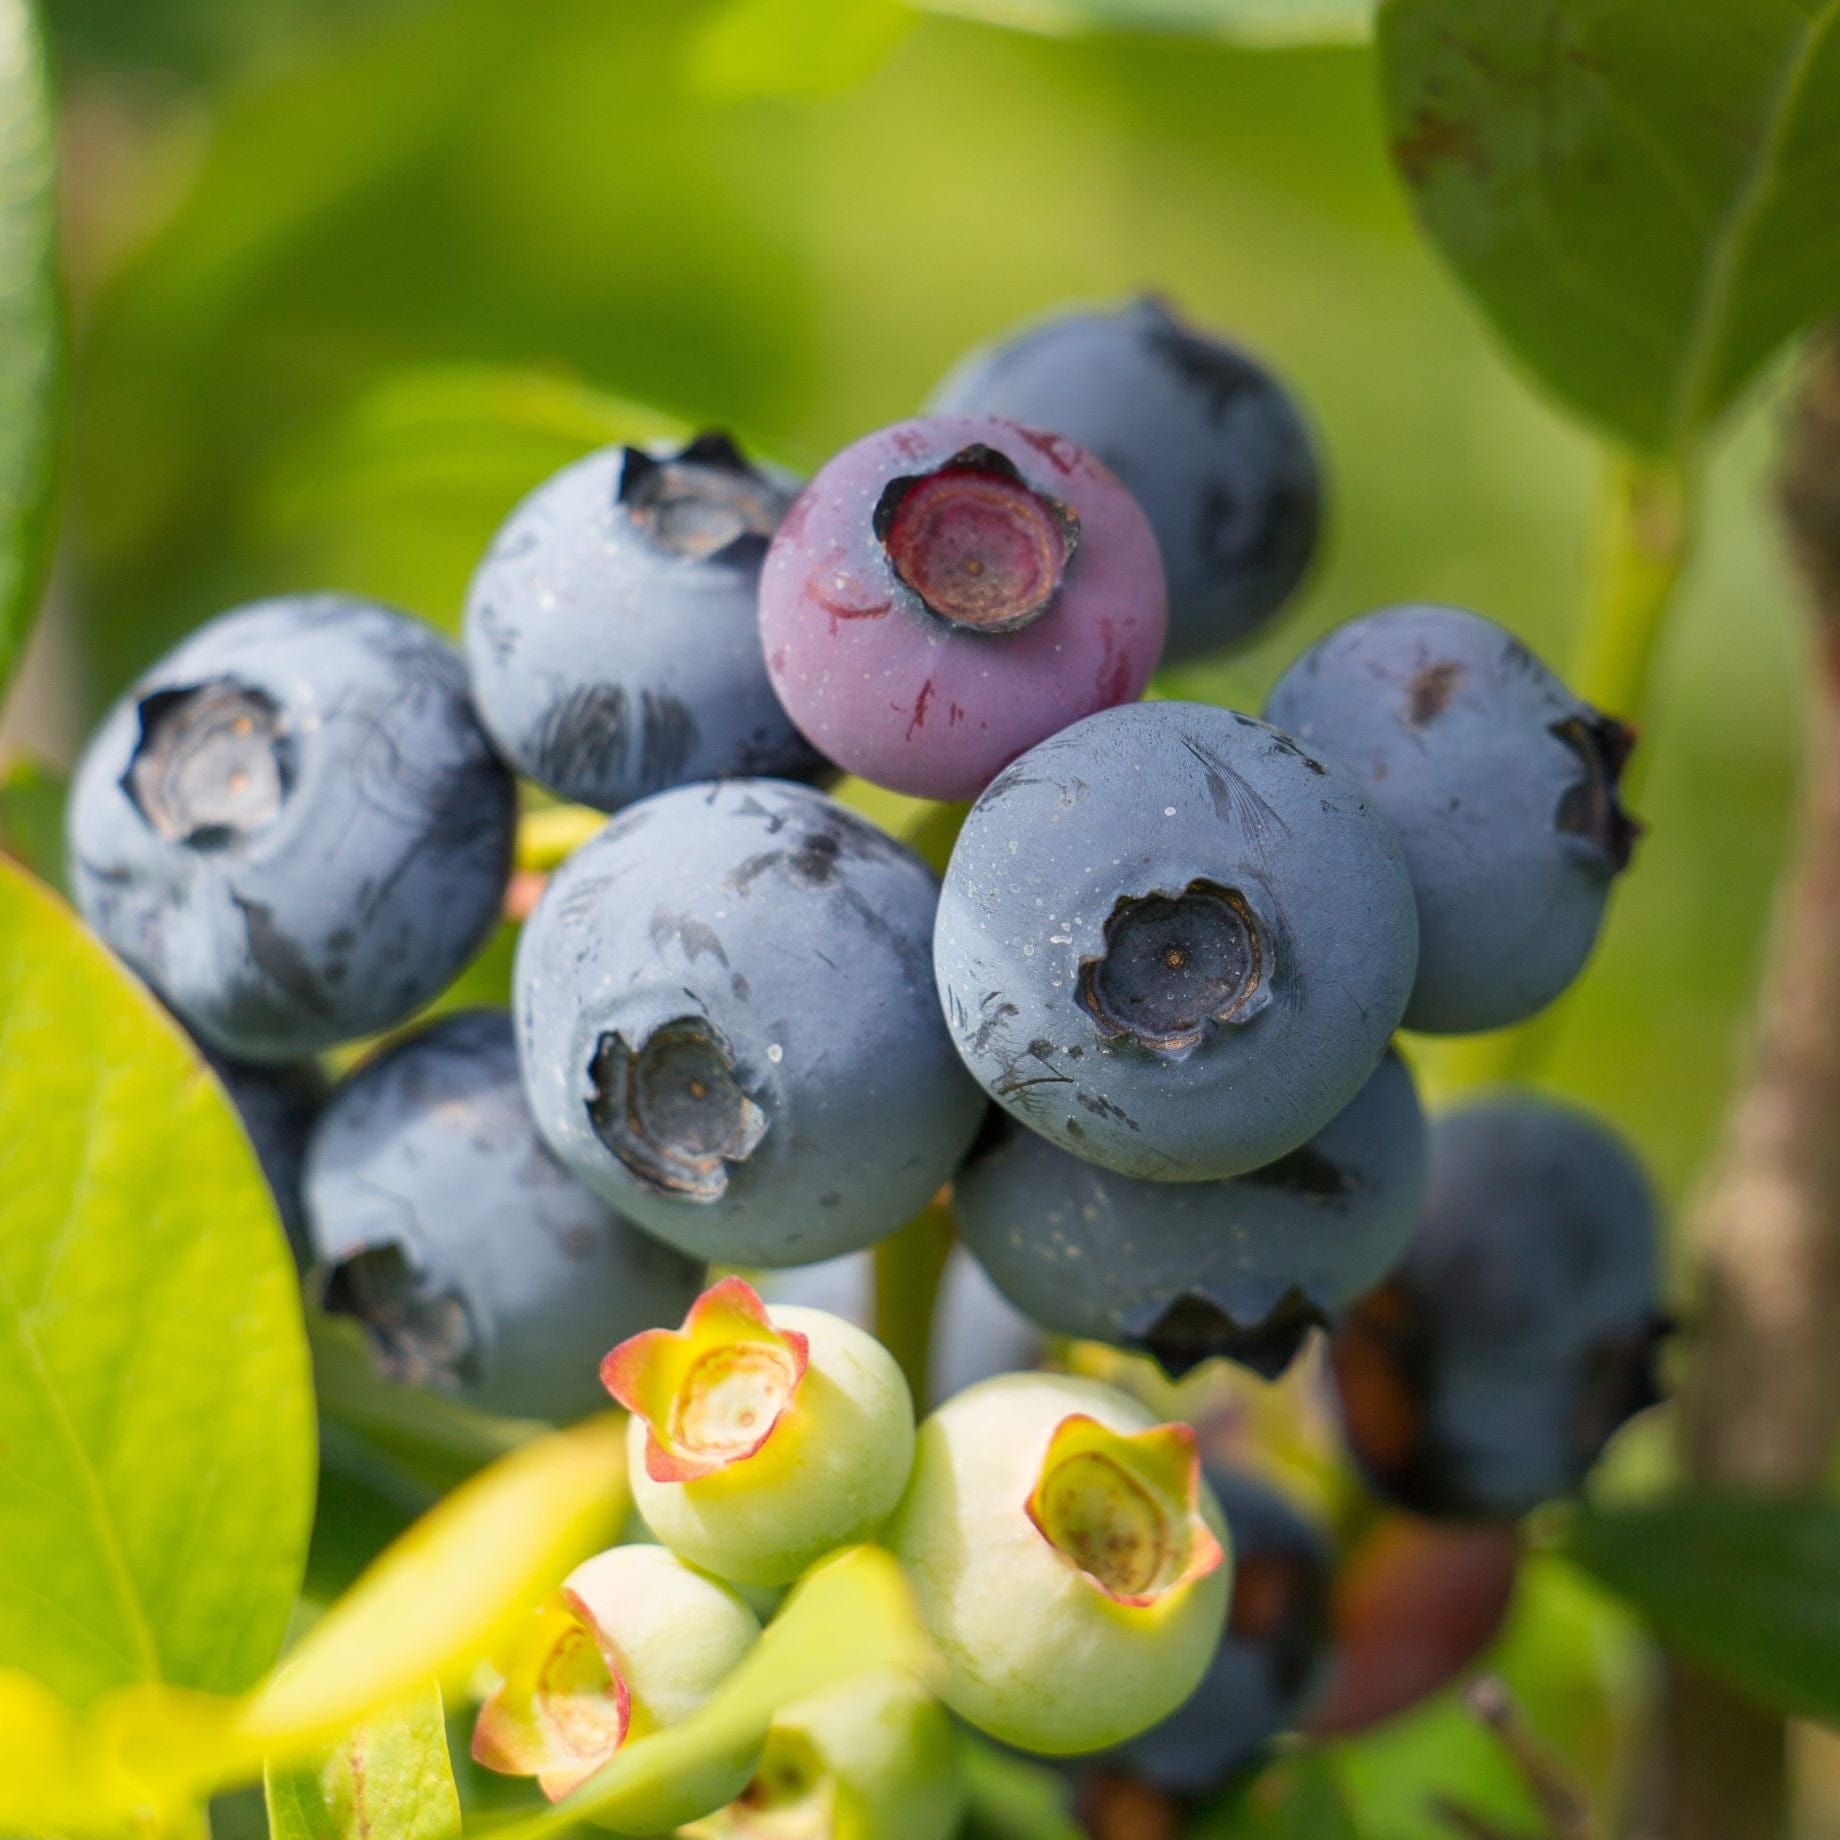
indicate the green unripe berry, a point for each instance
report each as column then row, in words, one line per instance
column 873, row 1759
column 759, row 1443
column 633, row 1642
column 1067, row 1559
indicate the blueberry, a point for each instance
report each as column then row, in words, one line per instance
column 293, row 827
column 1186, row 1270
column 278, row 1107
column 1521, row 1330
column 729, row 1029
column 471, row 1257
column 1270, row 1656
column 1209, row 443
column 611, row 629
column 1502, row 787
column 1415, row 1605
column 946, row 593
column 1174, row 941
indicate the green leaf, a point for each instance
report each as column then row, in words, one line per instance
column 1249, row 22
column 32, row 799
column 399, row 495
column 31, row 333
column 1297, row 1799
column 390, row 1776
column 445, row 1593
column 851, row 1615
column 156, row 1466
column 1638, row 193
column 1750, row 1588
column 794, row 47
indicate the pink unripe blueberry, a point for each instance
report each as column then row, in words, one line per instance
column 948, row 592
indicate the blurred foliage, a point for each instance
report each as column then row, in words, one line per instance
column 32, row 819
column 391, row 1773
column 1749, row 1587
column 31, row 333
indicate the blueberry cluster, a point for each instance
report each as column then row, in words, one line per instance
column 1143, row 1033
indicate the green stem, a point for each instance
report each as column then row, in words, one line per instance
column 908, row 1267
column 1643, row 531
column 1638, row 554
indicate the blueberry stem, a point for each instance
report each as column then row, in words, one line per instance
column 1645, row 528
column 908, row 1267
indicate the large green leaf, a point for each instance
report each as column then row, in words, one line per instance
column 794, row 47
column 1251, row 22
column 1750, row 1588
column 1639, row 193
column 156, row 1462
column 30, row 331
column 390, row 1776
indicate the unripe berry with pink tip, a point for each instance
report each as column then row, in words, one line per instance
column 760, row 1442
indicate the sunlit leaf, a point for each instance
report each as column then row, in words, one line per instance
column 30, row 333
column 794, row 47
column 389, row 1776
column 1251, row 22
column 852, row 1615
column 400, row 495
column 1638, row 193
column 443, row 1595
column 156, row 1461
column 1750, row 1588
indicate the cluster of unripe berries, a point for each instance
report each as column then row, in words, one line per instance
column 1144, row 1030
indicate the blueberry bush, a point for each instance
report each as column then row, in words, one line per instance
column 909, row 923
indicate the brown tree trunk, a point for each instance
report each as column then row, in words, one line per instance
column 1761, row 1410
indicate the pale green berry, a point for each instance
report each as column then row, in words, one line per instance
column 635, row 1641
column 875, row 1758
column 760, row 1442
column 1067, row 1559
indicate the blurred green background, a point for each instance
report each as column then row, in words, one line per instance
column 347, row 276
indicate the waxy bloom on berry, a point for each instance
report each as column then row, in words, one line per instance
column 759, row 1442
column 1068, row 1560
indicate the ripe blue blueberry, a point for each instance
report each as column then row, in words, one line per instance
column 946, row 593
column 278, row 1107
column 611, row 630
column 1174, row 941
column 1187, row 1270
column 1502, row 786
column 1270, row 1656
column 1521, row 1330
column 728, row 1024
column 473, row 1260
column 1208, row 441
column 293, row 827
